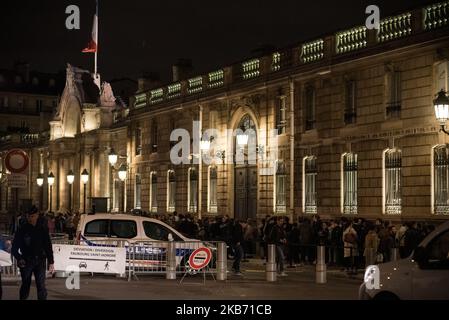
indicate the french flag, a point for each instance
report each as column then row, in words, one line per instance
column 92, row 46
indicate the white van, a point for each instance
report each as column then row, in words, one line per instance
column 423, row 275
column 145, row 239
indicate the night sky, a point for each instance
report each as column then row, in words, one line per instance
column 137, row 36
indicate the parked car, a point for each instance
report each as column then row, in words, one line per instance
column 423, row 275
column 145, row 239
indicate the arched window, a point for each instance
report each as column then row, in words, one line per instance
column 392, row 175
column 212, row 204
column 171, row 191
column 153, row 192
column 440, row 180
column 309, row 174
column 192, row 190
column 349, row 183
column 280, row 183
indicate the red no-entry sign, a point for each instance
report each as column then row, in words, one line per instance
column 200, row 258
column 17, row 161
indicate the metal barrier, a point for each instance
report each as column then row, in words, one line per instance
column 271, row 267
column 170, row 258
column 12, row 271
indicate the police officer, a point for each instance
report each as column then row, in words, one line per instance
column 33, row 241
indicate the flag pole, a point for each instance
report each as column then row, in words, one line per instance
column 96, row 41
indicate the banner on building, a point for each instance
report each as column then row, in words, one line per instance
column 90, row 259
column 16, row 180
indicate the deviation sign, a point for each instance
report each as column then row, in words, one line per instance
column 200, row 258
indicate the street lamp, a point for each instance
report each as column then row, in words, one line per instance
column 70, row 180
column 84, row 179
column 441, row 104
column 113, row 157
column 51, row 181
column 122, row 173
column 40, row 183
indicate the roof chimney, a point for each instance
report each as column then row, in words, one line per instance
column 148, row 81
column 182, row 69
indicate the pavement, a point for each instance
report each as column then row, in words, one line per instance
column 252, row 285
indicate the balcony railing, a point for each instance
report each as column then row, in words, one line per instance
column 141, row 101
column 312, row 51
column 392, row 29
column 174, row 91
column 216, row 79
column 156, row 96
column 195, row 85
column 352, row 39
column 251, row 69
column 395, row 27
column 436, row 15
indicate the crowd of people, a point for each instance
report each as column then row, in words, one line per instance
column 350, row 243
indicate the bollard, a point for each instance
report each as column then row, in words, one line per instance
column 222, row 256
column 171, row 261
column 394, row 254
column 271, row 263
column 321, row 265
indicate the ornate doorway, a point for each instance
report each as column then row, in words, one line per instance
column 245, row 170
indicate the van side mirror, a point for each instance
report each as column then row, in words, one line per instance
column 420, row 256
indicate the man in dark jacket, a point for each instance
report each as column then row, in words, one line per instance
column 237, row 244
column 411, row 239
column 278, row 238
column 34, row 243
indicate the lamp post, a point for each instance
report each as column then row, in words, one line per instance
column 51, row 181
column 70, row 180
column 40, row 183
column 84, row 179
column 441, row 105
column 122, row 173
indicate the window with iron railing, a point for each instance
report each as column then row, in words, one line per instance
column 212, row 191
column 280, row 188
column 153, row 192
column 441, row 179
column 171, row 191
column 138, row 192
column 392, row 181
column 310, row 172
column 192, row 197
column 349, row 183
